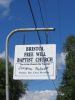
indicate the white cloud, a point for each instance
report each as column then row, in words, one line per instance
column 40, row 95
column 2, row 55
column 4, row 7
column 60, row 60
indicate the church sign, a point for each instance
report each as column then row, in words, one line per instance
column 35, row 62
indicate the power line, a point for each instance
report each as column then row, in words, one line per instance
column 37, row 31
column 45, row 32
column 43, row 21
column 34, row 20
column 45, row 12
column 46, row 37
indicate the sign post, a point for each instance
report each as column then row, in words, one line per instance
column 6, row 50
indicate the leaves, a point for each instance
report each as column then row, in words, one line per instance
column 68, row 83
column 16, row 88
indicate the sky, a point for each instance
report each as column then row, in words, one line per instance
column 59, row 14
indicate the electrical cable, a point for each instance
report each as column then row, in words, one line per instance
column 43, row 21
column 45, row 12
column 46, row 35
column 37, row 31
column 59, row 24
column 34, row 20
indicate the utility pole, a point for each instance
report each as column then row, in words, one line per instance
column 6, row 50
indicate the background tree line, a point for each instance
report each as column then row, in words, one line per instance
column 16, row 87
column 66, row 90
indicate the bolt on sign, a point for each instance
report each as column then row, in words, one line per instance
column 35, row 62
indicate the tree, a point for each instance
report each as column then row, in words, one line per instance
column 67, row 89
column 16, row 88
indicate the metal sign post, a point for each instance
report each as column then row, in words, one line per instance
column 6, row 50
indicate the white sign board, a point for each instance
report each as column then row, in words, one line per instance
column 35, row 62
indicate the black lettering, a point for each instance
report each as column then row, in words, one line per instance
column 28, row 54
column 34, row 49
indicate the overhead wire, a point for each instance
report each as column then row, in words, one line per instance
column 35, row 24
column 45, row 12
column 37, row 31
column 59, row 25
column 34, row 20
column 44, row 26
column 43, row 21
column 46, row 34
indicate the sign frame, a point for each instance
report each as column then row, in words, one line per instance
column 44, row 50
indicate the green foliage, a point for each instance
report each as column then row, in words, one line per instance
column 16, row 88
column 67, row 88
